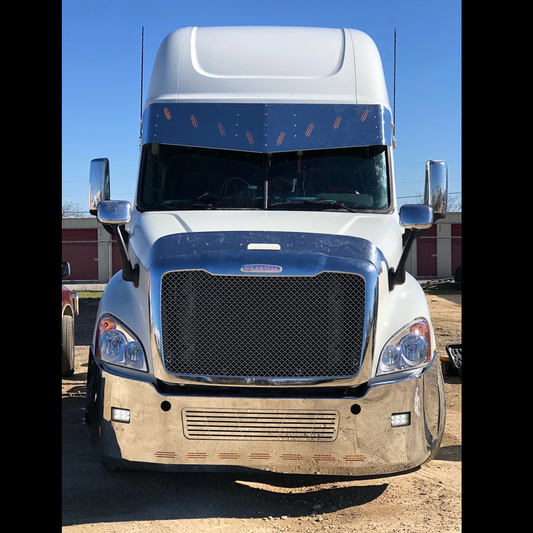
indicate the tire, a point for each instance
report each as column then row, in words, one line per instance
column 67, row 346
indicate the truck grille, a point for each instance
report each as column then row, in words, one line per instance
column 262, row 326
column 249, row 424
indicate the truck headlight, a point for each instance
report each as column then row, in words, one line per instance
column 117, row 345
column 409, row 348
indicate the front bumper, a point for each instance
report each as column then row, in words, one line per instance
column 362, row 444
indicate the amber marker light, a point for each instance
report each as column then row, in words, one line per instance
column 106, row 324
column 117, row 345
column 422, row 329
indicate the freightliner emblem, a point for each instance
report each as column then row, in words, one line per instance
column 264, row 269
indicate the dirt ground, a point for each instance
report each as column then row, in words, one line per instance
column 425, row 501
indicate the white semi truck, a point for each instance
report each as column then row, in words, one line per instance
column 263, row 318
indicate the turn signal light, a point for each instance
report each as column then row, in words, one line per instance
column 107, row 323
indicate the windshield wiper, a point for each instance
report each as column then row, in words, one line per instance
column 326, row 204
column 177, row 204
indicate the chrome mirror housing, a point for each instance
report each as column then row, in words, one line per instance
column 99, row 183
column 436, row 187
column 114, row 212
column 416, row 216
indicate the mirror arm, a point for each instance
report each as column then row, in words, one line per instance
column 397, row 277
column 109, row 229
column 129, row 273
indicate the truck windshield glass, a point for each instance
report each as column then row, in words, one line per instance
column 179, row 177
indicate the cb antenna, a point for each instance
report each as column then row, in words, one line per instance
column 394, row 95
column 142, row 61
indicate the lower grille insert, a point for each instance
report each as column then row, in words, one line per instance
column 262, row 326
column 249, row 424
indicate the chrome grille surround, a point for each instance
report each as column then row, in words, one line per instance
column 262, row 326
column 213, row 256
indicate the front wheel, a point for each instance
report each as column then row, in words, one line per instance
column 67, row 346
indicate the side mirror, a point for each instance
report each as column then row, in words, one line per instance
column 99, row 183
column 113, row 212
column 116, row 213
column 416, row 216
column 65, row 269
column 436, row 187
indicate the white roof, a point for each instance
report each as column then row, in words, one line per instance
column 268, row 65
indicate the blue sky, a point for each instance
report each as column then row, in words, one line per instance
column 101, row 69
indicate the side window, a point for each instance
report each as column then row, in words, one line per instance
column 153, row 176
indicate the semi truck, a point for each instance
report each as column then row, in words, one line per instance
column 263, row 318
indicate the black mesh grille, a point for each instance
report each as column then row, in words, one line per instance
column 261, row 326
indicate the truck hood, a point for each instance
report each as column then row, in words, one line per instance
column 381, row 230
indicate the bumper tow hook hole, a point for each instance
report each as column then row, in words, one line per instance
column 355, row 409
column 165, row 406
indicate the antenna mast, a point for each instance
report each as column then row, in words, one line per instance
column 394, row 97
column 142, row 61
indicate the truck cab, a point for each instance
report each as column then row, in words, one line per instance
column 263, row 317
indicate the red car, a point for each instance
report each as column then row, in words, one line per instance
column 69, row 309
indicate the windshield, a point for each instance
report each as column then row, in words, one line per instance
column 180, row 177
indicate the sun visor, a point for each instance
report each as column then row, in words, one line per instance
column 267, row 127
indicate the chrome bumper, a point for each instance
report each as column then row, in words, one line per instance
column 360, row 443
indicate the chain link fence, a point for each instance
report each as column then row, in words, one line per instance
column 83, row 259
